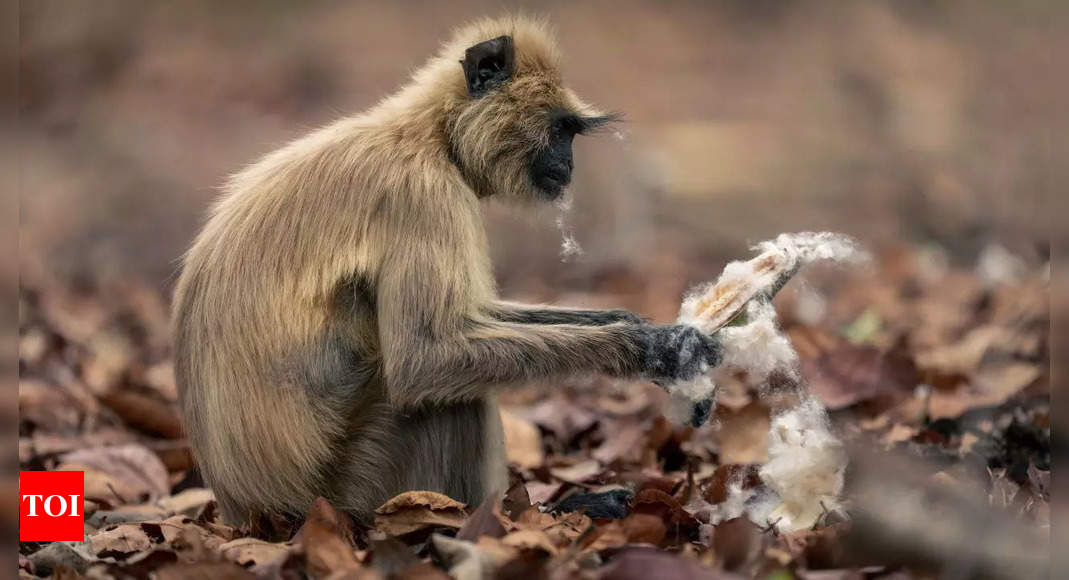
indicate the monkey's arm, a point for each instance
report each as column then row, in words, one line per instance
column 438, row 344
column 536, row 314
column 429, row 364
column 437, row 347
column 424, row 368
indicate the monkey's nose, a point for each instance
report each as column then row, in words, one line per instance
column 562, row 168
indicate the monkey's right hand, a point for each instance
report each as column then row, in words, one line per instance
column 677, row 352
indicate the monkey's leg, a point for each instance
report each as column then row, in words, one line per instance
column 532, row 314
column 456, row 449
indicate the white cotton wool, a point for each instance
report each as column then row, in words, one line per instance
column 758, row 347
column 685, row 394
column 735, row 505
column 807, row 247
column 710, row 306
column 803, row 476
column 805, row 469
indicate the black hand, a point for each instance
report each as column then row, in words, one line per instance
column 702, row 411
column 677, row 353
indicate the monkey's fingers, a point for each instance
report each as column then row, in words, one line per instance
column 701, row 412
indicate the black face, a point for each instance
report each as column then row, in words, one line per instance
column 551, row 167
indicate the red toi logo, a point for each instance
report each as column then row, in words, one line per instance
column 51, row 506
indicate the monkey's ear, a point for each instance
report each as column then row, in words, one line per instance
column 488, row 65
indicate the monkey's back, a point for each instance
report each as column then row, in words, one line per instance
column 276, row 343
column 264, row 377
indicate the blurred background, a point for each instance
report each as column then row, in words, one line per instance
column 897, row 122
column 928, row 129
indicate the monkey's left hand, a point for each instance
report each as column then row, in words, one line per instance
column 677, row 358
column 677, row 352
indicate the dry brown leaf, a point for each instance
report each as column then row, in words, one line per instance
column 120, row 540
column 515, row 501
column 137, row 537
column 899, row 433
column 198, row 570
column 326, row 541
column 644, row 529
column 623, row 441
column 110, row 355
column 486, row 520
column 125, row 514
column 606, row 537
column 464, row 560
column 743, row 435
column 417, row 510
column 820, row 548
column 577, row 473
column 542, row 493
column 141, row 565
column 644, row 563
column 46, row 560
column 661, row 505
column 389, row 556
column 727, row 475
column 976, row 346
column 161, row 378
column 627, row 403
column 34, row 344
column 187, row 502
column 523, row 441
column 650, row 479
column 842, row 374
column 561, row 530
column 45, row 444
column 422, row 571
column 252, row 551
column 47, row 407
column 735, row 542
column 331, row 518
column 990, row 387
column 963, row 356
column 325, row 550
column 495, row 549
column 529, row 540
column 561, row 417
column 129, row 473
column 145, row 413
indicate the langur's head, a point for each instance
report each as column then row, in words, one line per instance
column 510, row 121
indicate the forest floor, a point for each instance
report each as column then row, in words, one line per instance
column 936, row 376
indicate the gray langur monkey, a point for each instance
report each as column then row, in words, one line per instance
column 337, row 329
